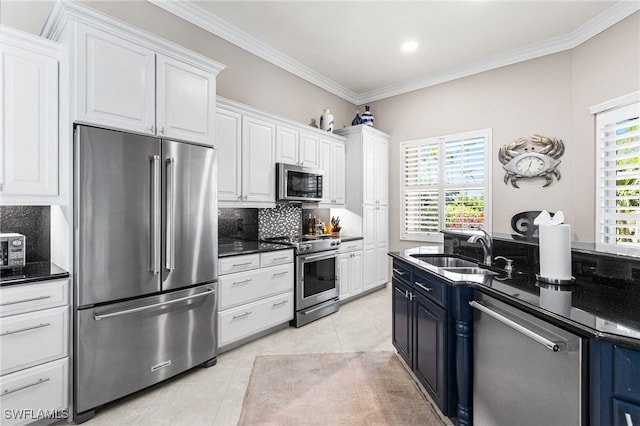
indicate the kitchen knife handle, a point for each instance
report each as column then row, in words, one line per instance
column 155, row 214
column 171, row 217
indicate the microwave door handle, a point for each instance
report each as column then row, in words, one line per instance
column 170, row 208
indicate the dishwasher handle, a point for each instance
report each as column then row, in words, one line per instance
column 554, row 346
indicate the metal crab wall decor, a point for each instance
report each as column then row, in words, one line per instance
column 535, row 156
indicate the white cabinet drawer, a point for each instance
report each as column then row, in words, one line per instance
column 243, row 321
column 273, row 258
column 244, row 287
column 351, row 246
column 231, row 264
column 18, row 299
column 33, row 338
column 40, row 390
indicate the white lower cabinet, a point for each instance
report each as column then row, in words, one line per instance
column 351, row 283
column 35, row 393
column 248, row 319
column 34, row 362
column 255, row 298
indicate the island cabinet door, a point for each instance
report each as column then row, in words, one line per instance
column 402, row 320
column 429, row 348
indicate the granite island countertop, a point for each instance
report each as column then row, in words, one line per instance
column 585, row 307
column 32, row 272
column 239, row 247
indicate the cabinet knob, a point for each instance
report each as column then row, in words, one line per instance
column 151, row 128
column 246, row 196
column 162, row 130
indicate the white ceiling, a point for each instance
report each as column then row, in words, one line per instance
column 352, row 48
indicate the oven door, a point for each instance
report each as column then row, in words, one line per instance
column 317, row 278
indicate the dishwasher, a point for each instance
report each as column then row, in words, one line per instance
column 526, row 371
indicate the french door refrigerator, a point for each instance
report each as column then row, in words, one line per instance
column 145, row 244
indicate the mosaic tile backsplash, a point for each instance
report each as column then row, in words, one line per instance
column 239, row 224
column 34, row 222
column 284, row 220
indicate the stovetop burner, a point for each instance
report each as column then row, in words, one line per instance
column 307, row 243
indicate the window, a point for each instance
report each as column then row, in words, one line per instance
column 444, row 184
column 618, row 179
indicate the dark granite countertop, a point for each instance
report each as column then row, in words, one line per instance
column 590, row 307
column 238, row 247
column 31, row 272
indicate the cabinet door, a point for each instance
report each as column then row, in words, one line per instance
column 338, row 172
column 228, row 142
column 370, row 180
column 29, row 114
column 325, row 162
column 402, row 321
column 308, row 155
column 115, row 82
column 382, row 265
column 429, row 347
column 286, row 145
column 355, row 273
column 186, row 99
column 382, row 171
column 345, row 275
column 258, row 160
column 369, row 233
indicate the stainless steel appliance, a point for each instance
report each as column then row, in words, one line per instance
column 145, row 244
column 525, row 370
column 317, row 284
column 297, row 183
column 12, row 251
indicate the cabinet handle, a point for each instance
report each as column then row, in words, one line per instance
column 423, row 287
column 397, row 271
column 151, row 128
column 246, row 314
column 284, row 302
column 7, row 391
column 242, row 282
column 280, row 258
column 241, row 264
column 628, row 419
column 162, row 130
column 279, row 274
column 8, row 332
column 411, row 296
column 33, row 299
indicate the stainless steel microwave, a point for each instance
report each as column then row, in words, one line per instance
column 298, row 184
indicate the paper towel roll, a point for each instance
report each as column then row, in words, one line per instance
column 555, row 251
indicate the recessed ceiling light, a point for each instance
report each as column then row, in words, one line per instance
column 409, row 46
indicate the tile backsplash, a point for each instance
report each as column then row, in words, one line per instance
column 283, row 220
column 239, row 224
column 34, row 222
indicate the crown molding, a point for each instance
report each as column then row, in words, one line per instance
column 223, row 29
column 622, row 101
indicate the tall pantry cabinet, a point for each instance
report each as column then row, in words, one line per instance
column 367, row 195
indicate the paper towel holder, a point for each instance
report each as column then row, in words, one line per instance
column 556, row 281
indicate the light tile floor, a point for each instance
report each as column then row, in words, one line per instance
column 214, row 396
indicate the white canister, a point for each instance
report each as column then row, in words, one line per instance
column 326, row 121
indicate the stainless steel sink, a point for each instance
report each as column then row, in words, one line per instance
column 444, row 261
column 470, row 271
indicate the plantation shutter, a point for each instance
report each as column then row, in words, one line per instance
column 443, row 184
column 618, row 179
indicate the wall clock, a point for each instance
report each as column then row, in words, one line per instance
column 533, row 157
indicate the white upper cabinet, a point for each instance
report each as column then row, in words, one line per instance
column 331, row 155
column 186, row 99
column 29, row 167
column 376, row 170
column 126, row 79
column 229, row 144
column 115, row 82
column 258, row 160
column 296, row 147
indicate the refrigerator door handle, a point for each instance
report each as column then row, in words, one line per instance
column 170, row 237
column 155, row 214
column 155, row 305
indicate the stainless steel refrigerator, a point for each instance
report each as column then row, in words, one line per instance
column 145, row 244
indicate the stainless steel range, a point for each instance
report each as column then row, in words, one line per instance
column 317, row 277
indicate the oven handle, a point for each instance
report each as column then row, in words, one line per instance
column 549, row 344
column 319, row 256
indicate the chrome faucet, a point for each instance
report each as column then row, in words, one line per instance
column 487, row 245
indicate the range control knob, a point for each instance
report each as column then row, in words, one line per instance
column 16, row 243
